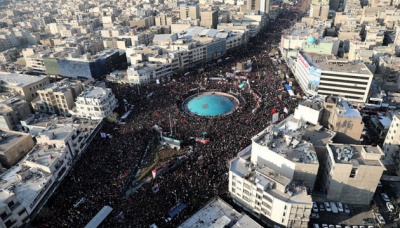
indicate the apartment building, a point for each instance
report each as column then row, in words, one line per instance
column 327, row 75
column 95, row 103
column 341, row 117
column 58, row 98
column 12, row 110
column 209, row 19
column 24, row 85
column 259, row 6
column 319, row 11
column 25, row 187
column 271, row 176
column 14, row 146
column 12, row 213
column 148, row 72
column 163, row 19
column 351, row 173
column 189, row 11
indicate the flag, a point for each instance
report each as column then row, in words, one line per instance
column 273, row 111
column 286, row 110
column 154, row 172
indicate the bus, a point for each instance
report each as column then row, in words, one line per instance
column 99, row 217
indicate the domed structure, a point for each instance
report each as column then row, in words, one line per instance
column 211, row 104
column 311, row 40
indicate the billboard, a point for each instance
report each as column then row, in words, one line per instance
column 314, row 78
column 303, row 61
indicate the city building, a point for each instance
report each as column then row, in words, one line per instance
column 95, row 103
column 12, row 213
column 24, row 85
column 163, row 19
column 326, row 75
column 259, row 6
column 209, row 18
column 14, row 146
column 12, row 110
column 341, row 117
column 189, row 11
column 320, row 11
column 391, row 145
column 274, row 175
column 148, row 72
column 60, row 141
column 86, row 66
column 59, row 97
column 351, row 173
column 218, row 213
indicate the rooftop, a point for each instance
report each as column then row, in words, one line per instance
column 93, row 92
column 293, row 139
column 18, row 80
column 10, row 138
column 329, row 62
column 218, row 213
column 356, row 154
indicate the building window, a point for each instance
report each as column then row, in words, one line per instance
column 21, row 212
column 10, row 204
column 353, row 172
column 3, row 215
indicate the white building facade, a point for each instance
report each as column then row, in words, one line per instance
column 95, row 103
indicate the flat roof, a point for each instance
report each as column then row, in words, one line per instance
column 328, row 62
column 294, row 140
column 18, row 80
column 218, row 213
column 353, row 154
column 10, row 138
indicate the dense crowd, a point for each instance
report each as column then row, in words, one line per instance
column 103, row 173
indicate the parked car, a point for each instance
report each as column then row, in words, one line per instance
column 380, row 218
column 338, row 226
column 347, row 208
column 390, row 206
column 379, row 184
column 334, row 208
column 327, row 206
column 324, row 225
column 316, row 225
column 385, row 197
column 314, row 215
column 340, row 206
column 331, row 226
column 321, row 207
column 315, row 207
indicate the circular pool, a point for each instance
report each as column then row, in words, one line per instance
column 211, row 104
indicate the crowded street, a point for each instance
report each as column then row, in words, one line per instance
column 105, row 171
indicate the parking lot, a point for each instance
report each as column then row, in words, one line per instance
column 358, row 216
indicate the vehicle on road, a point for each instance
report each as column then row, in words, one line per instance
column 385, row 197
column 347, row 208
column 327, row 206
column 380, row 219
column 334, row 208
column 340, row 206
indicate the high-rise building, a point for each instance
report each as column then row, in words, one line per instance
column 259, row 6
column 209, row 19
column 189, row 11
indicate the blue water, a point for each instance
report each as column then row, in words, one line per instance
column 210, row 105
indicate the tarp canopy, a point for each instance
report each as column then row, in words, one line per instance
column 177, row 209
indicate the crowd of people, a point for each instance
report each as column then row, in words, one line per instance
column 105, row 170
